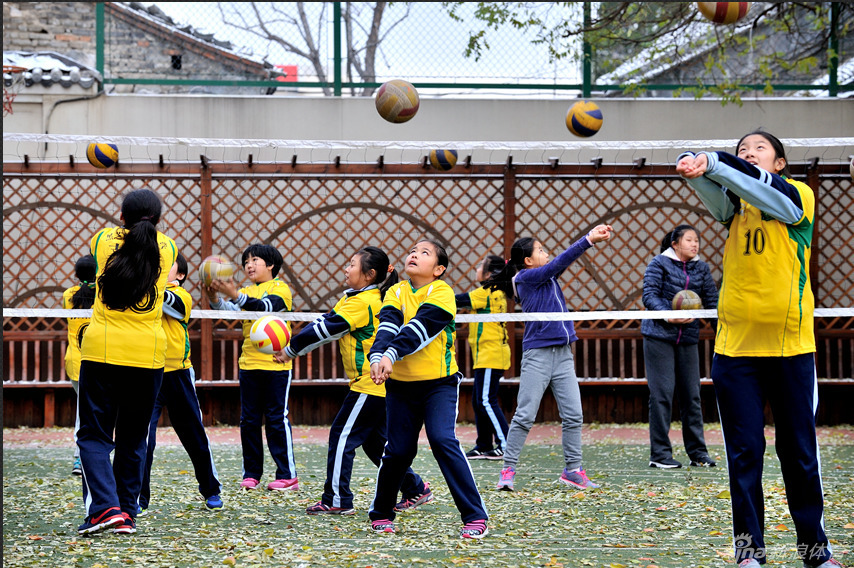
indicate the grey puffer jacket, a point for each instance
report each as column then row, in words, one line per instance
column 664, row 277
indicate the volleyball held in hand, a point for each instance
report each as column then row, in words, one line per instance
column 215, row 268
column 269, row 334
column 723, row 12
column 102, row 155
column 443, row 160
column 687, row 300
column 397, row 101
column 584, row 119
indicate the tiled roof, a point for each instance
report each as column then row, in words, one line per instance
column 47, row 68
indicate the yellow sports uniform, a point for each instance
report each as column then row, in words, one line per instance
column 423, row 356
column 755, row 319
column 250, row 357
column 361, row 313
column 132, row 337
column 177, row 335
column 76, row 328
column 490, row 348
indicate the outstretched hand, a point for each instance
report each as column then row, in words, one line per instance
column 600, row 233
column 691, row 167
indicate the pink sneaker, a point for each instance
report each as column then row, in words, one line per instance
column 249, row 483
column 284, row 485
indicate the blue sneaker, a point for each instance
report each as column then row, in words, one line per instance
column 578, row 479
column 505, row 481
column 213, row 502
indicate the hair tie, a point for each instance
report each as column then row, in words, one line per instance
column 506, row 261
column 390, row 269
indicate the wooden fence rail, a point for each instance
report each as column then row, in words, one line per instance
column 317, row 214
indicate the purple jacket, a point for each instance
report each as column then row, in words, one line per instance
column 538, row 290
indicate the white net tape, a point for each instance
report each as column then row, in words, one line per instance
column 461, row 318
column 16, row 145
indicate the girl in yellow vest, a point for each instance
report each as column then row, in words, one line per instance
column 79, row 297
column 123, row 355
column 765, row 346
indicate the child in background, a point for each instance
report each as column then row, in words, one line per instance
column 765, row 344
column 122, row 360
column 178, row 394
column 670, row 347
column 264, row 382
column 490, row 353
column 414, row 355
column 79, row 297
column 547, row 360
column 361, row 421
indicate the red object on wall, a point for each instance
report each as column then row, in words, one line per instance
column 290, row 73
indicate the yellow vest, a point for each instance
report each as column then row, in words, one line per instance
column 766, row 304
column 439, row 358
column 132, row 337
column 250, row 358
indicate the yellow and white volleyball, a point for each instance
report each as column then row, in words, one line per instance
column 584, row 119
column 723, row 12
column 443, row 160
column 215, row 268
column 102, row 155
column 269, row 334
column 687, row 300
column 397, row 101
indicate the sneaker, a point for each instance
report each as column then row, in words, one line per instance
column 213, row 502
column 128, row 526
column 321, row 508
column 103, row 520
column 77, row 468
column 505, row 481
column 703, row 461
column 412, row 502
column 141, row 511
column 249, row 483
column 829, row 563
column 666, row 463
column 382, row 526
column 474, row 529
column 578, row 479
column 475, row 454
column 749, row 563
column 284, row 485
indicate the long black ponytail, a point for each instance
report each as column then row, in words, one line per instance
column 130, row 275
column 385, row 276
column 503, row 279
column 84, row 271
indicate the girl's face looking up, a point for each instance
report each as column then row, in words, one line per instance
column 757, row 150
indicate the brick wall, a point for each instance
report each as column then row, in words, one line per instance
column 135, row 48
column 67, row 28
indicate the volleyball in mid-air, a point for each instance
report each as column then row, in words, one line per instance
column 723, row 12
column 215, row 268
column 397, row 101
column 584, row 119
column 102, row 155
column 269, row 334
column 687, row 300
column 443, row 160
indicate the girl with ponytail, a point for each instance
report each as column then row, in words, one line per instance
column 123, row 354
